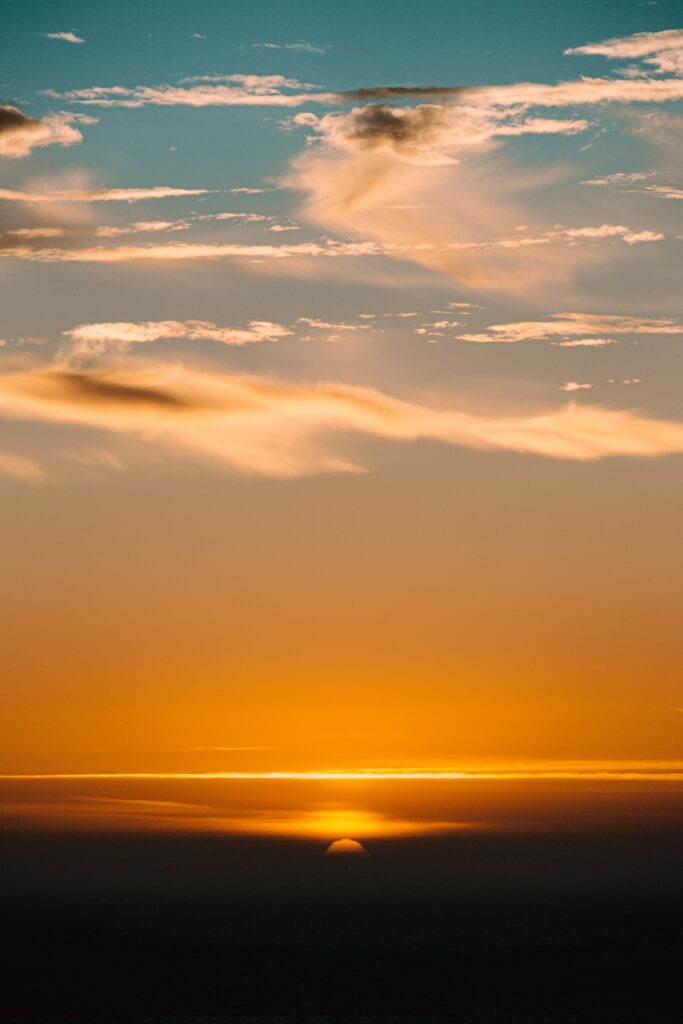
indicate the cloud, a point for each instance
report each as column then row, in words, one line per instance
column 523, row 96
column 325, row 325
column 96, row 338
column 141, row 227
column 506, row 258
column 573, row 385
column 17, row 467
column 181, row 252
column 586, row 343
column 620, row 178
column 281, row 429
column 664, row 49
column 490, row 102
column 295, row 47
column 201, row 91
column 41, row 232
column 331, row 330
column 586, row 326
column 469, row 229
column 663, row 191
column 101, row 195
column 428, row 133
column 65, row 37
column 637, row 182
column 19, row 134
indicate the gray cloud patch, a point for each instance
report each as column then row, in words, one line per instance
column 12, row 119
column 394, row 92
column 99, row 389
column 402, row 127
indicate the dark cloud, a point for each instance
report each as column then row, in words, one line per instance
column 394, row 92
column 12, row 119
column 401, row 126
column 99, row 389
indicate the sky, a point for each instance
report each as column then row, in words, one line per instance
column 340, row 383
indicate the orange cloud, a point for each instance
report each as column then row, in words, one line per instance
column 281, row 429
column 582, row 326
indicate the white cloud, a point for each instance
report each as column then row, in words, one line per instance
column 573, row 385
column 178, row 252
column 586, row 343
column 65, row 37
column 141, row 227
column 295, row 47
column 201, row 91
column 20, row 135
column 96, row 338
column 100, row 195
column 663, row 50
column 586, row 326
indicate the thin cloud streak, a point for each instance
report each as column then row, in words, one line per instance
column 585, row 326
column 101, row 195
column 635, row 771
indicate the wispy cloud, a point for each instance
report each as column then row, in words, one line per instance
column 315, row 328
column 282, row 429
column 202, row 91
column 663, row 50
column 142, row 227
column 179, row 252
column 486, row 102
column 100, row 195
column 638, row 183
column 427, row 179
column 65, row 37
column 295, row 47
column 663, row 191
column 563, row 327
column 620, row 178
column 429, row 133
column 18, row 467
column 96, row 338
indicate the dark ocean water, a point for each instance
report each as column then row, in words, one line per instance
column 163, row 930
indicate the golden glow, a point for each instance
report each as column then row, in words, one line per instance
column 638, row 771
column 369, row 804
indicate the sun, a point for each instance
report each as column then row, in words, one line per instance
column 343, row 847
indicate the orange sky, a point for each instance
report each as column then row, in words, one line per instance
column 342, row 429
